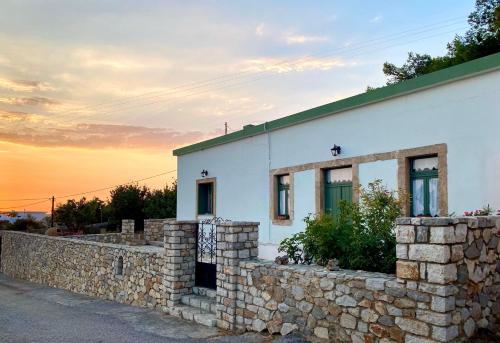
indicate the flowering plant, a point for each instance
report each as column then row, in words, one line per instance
column 485, row 211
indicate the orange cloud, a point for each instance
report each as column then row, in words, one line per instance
column 24, row 85
column 99, row 136
column 31, row 101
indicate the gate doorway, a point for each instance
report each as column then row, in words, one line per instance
column 206, row 254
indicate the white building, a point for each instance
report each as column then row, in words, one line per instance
column 36, row 215
column 436, row 136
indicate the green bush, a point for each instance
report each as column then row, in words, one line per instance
column 361, row 236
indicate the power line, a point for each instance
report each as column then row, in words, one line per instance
column 87, row 192
column 272, row 75
column 263, row 73
column 26, row 205
column 222, row 79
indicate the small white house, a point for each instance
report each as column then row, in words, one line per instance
column 36, row 215
column 436, row 136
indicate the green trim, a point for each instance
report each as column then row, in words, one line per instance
column 467, row 69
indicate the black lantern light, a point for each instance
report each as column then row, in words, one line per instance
column 336, row 150
column 204, row 173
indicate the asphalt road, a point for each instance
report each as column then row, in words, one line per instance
column 36, row 313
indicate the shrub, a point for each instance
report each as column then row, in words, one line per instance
column 26, row 224
column 361, row 236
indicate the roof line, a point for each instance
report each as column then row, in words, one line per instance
column 460, row 71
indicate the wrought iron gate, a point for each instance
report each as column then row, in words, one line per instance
column 206, row 253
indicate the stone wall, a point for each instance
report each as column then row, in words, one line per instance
column 86, row 267
column 447, row 285
column 153, row 229
column 456, row 260
column 478, row 277
column 115, row 238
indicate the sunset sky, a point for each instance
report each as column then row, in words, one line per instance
column 98, row 93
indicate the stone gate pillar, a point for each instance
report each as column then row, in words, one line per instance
column 180, row 257
column 128, row 226
column 236, row 241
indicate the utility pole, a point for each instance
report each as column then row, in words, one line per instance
column 225, row 128
column 52, row 217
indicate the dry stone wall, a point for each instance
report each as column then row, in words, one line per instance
column 447, row 286
column 115, row 238
column 85, row 267
column 153, row 229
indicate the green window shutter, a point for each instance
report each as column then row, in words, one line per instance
column 334, row 193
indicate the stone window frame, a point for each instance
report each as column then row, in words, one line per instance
column 273, row 191
column 319, row 178
column 403, row 157
column 212, row 180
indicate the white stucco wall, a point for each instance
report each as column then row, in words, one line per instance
column 464, row 114
column 387, row 171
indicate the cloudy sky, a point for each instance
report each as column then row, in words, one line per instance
column 96, row 93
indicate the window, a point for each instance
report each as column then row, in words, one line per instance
column 119, row 266
column 424, row 186
column 283, row 197
column 206, row 198
column 338, row 187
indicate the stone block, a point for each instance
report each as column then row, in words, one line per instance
column 413, row 326
column 422, row 234
column 460, row 233
column 442, row 234
column 440, row 290
column 402, row 251
column 442, row 304
column 375, row 284
column 444, row 334
column 417, row 339
column 434, row 318
column 429, row 253
column 457, row 253
column 405, row 234
column 346, row 301
column 441, row 273
column 348, row 321
column 407, row 270
column 321, row 332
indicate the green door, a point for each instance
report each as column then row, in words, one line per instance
column 334, row 193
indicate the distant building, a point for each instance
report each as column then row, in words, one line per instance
column 36, row 215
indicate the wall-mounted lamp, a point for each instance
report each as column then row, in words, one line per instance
column 204, row 173
column 336, row 150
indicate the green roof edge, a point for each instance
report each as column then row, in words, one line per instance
column 450, row 74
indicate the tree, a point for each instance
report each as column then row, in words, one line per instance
column 127, row 202
column 161, row 203
column 25, row 224
column 482, row 39
column 77, row 214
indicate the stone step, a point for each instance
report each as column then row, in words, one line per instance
column 195, row 315
column 199, row 301
column 211, row 293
